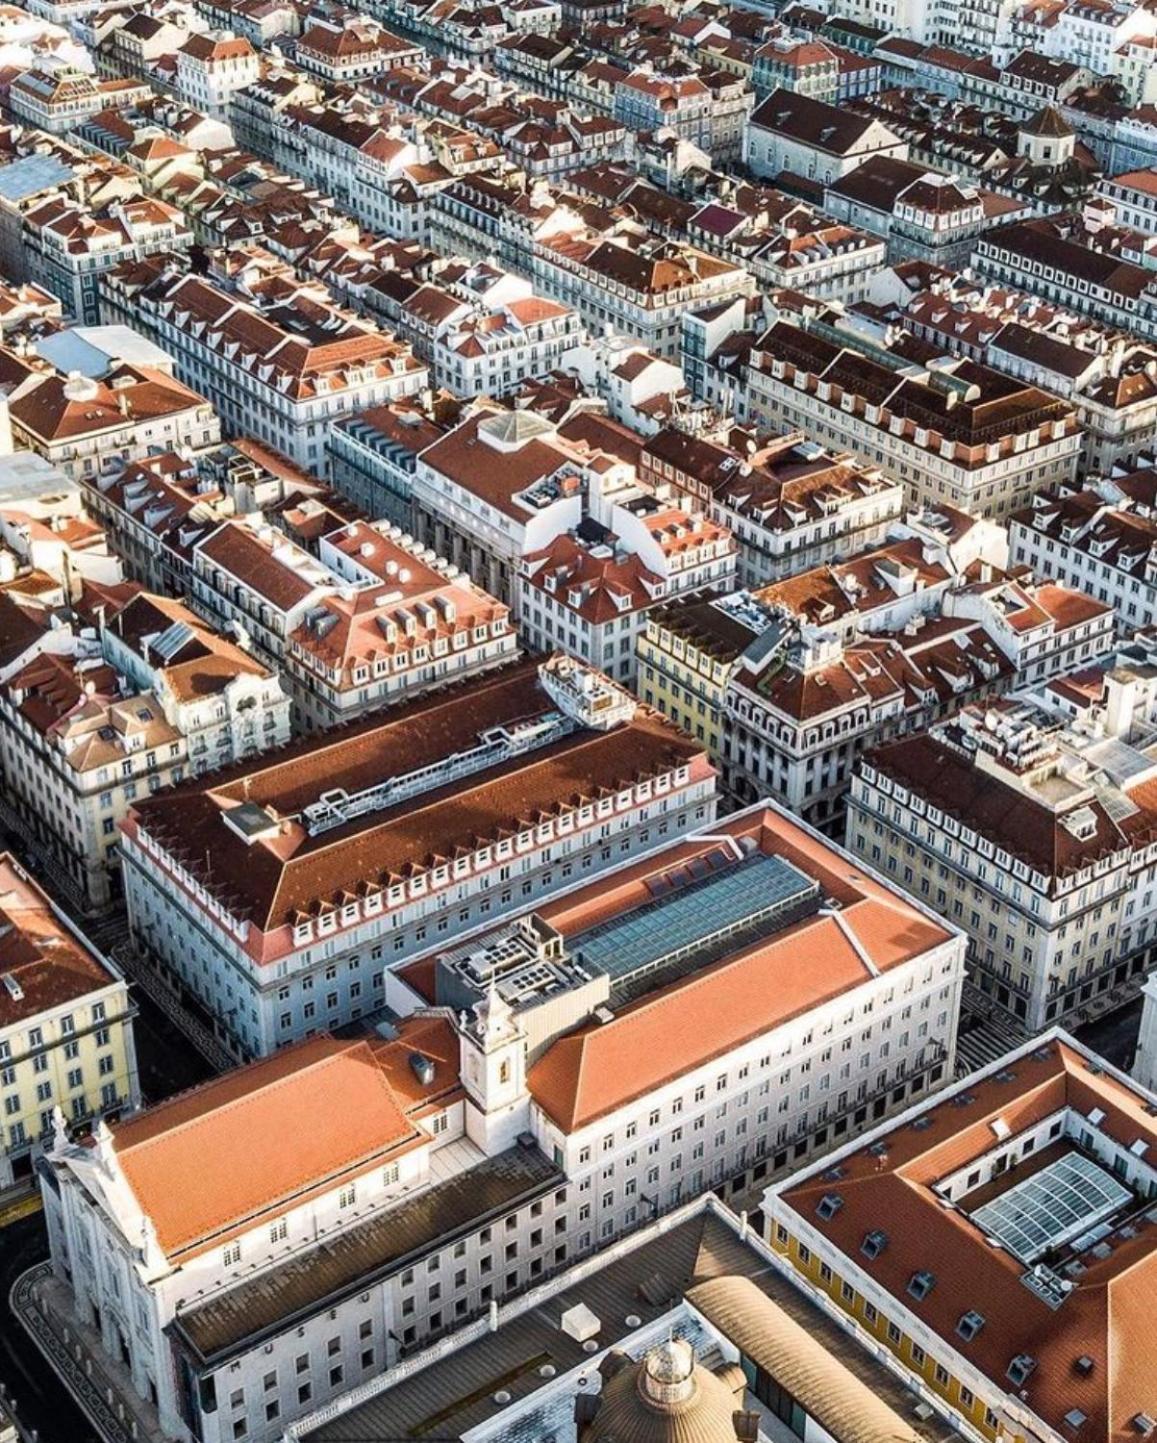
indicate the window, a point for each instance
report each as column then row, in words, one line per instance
column 921, row 1284
column 874, row 1243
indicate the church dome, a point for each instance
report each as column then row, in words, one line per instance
column 667, row 1397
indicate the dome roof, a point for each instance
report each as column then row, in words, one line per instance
column 668, row 1374
column 666, row 1397
column 670, row 1365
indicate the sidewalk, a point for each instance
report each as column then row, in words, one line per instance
column 49, row 871
column 100, row 1386
column 19, row 1202
column 138, row 967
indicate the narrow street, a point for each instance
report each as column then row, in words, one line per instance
column 169, row 1062
column 41, row 1402
column 1114, row 1036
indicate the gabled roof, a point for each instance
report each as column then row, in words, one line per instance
column 47, row 964
column 1009, row 818
column 277, row 880
column 211, row 1162
column 604, row 1065
column 812, row 122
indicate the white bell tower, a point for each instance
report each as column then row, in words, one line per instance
column 493, row 1052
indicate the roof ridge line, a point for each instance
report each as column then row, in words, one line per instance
column 344, row 1045
column 846, row 928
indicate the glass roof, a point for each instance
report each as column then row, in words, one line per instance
column 710, row 896
column 1052, row 1207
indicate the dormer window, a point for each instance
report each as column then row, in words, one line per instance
column 874, row 1243
column 1020, row 1368
column 921, row 1284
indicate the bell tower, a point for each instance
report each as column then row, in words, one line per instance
column 493, row 1053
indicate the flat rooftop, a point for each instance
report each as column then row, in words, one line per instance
column 349, row 1261
column 670, row 1271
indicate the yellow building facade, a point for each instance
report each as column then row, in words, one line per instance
column 686, row 658
column 67, row 1055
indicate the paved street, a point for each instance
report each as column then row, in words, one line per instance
column 41, row 1402
column 1114, row 1036
column 169, row 1062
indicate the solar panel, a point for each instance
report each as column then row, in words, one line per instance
column 1053, row 1206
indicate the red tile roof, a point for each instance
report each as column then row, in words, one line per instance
column 275, row 881
column 211, row 1163
column 45, row 961
column 1106, row 1316
column 601, row 1067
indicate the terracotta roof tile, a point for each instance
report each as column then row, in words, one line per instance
column 1104, row 1317
column 600, row 1067
column 255, row 1142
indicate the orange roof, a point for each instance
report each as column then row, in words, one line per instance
column 599, row 1068
column 210, row 1163
column 46, row 962
column 435, row 1039
column 1106, row 1316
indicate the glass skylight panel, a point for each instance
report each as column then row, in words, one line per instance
column 1051, row 1207
column 690, row 910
